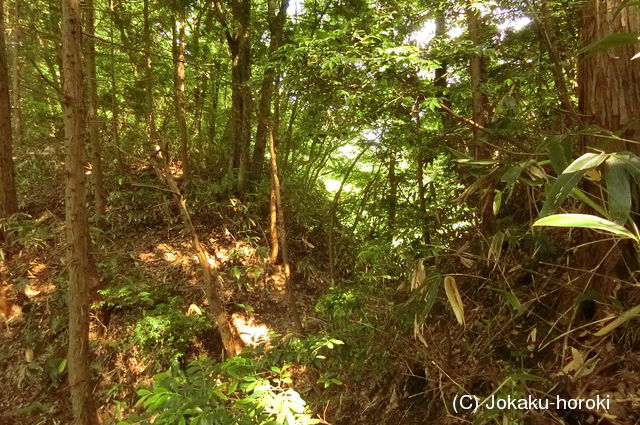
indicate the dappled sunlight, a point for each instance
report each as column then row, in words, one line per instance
column 174, row 255
column 277, row 280
column 39, row 278
column 251, row 332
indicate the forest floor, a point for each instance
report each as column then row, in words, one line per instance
column 393, row 369
column 152, row 262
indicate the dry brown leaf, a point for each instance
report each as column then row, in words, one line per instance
column 453, row 295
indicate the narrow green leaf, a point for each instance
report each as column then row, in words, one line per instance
column 559, row 148
column 585, row 162
column 581, row 196
column 623, row 318
column 623, row 4
column 631, row 163
column 62, row 366
column 559, row 191
column 512, row 175
column 585, row 221
column 567, row 181
column 611, row 41
column 497, row 202
column 431, row 295
column 513, row 301
column 618, row 190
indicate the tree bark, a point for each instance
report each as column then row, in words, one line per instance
column 200, row 96
column 77, row 225
column 547, row 35
column 608, row 80
column 212, row 116
column 440, row 75
column 115, row 108
column 284, row 249
column 273, row 225
column 95, row 148
column 152, row 133
column 332, row 216
column 392, row 199
column 478, row 106
column 8, row 198
column 179, row 84
column 609, row 98
column 13, row 18
column 478, row 98
column 276, row 25
column 231, row 341
column 239, row 42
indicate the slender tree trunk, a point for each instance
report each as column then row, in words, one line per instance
column 14, row 70
column 198, row 104
column 366, row 194
column 440, row 75
column 238, row 35
column 8, row 199
column 243, row 75
column 547, row 35
column 264, row 112
column 180, row 100
column 77, row 225
column 276, row 25
column 392, row 200
column 152, row 133
column 95, row 148
column 478, row 104
column 115, row 107
column 273, row 225
column 275, row 181
column 478, row 98
column 422, row 199
column 288, row 140
column 212, row 116
column 332, row 216
column 228, row 334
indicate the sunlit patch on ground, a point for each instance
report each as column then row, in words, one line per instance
column 277, row 280
column 251, row 332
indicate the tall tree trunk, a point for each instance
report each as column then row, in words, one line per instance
column 14, row 70
column 152, row 133
column 276, row 25
column 77, row 225
column 238, row 35
column 547, row 35
column 242, row 68
column 392, row 199
column 95, row 148
column 440, row 75
column 8, row 199
column 180, row 100
column 200, row 96
column 115, row 108
column 478, row 106
column 332, row 216
column 422, row 199
column 478, row 98
column 608, row 80
column 212, row 116
column 609, row 97
column 275, row 182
